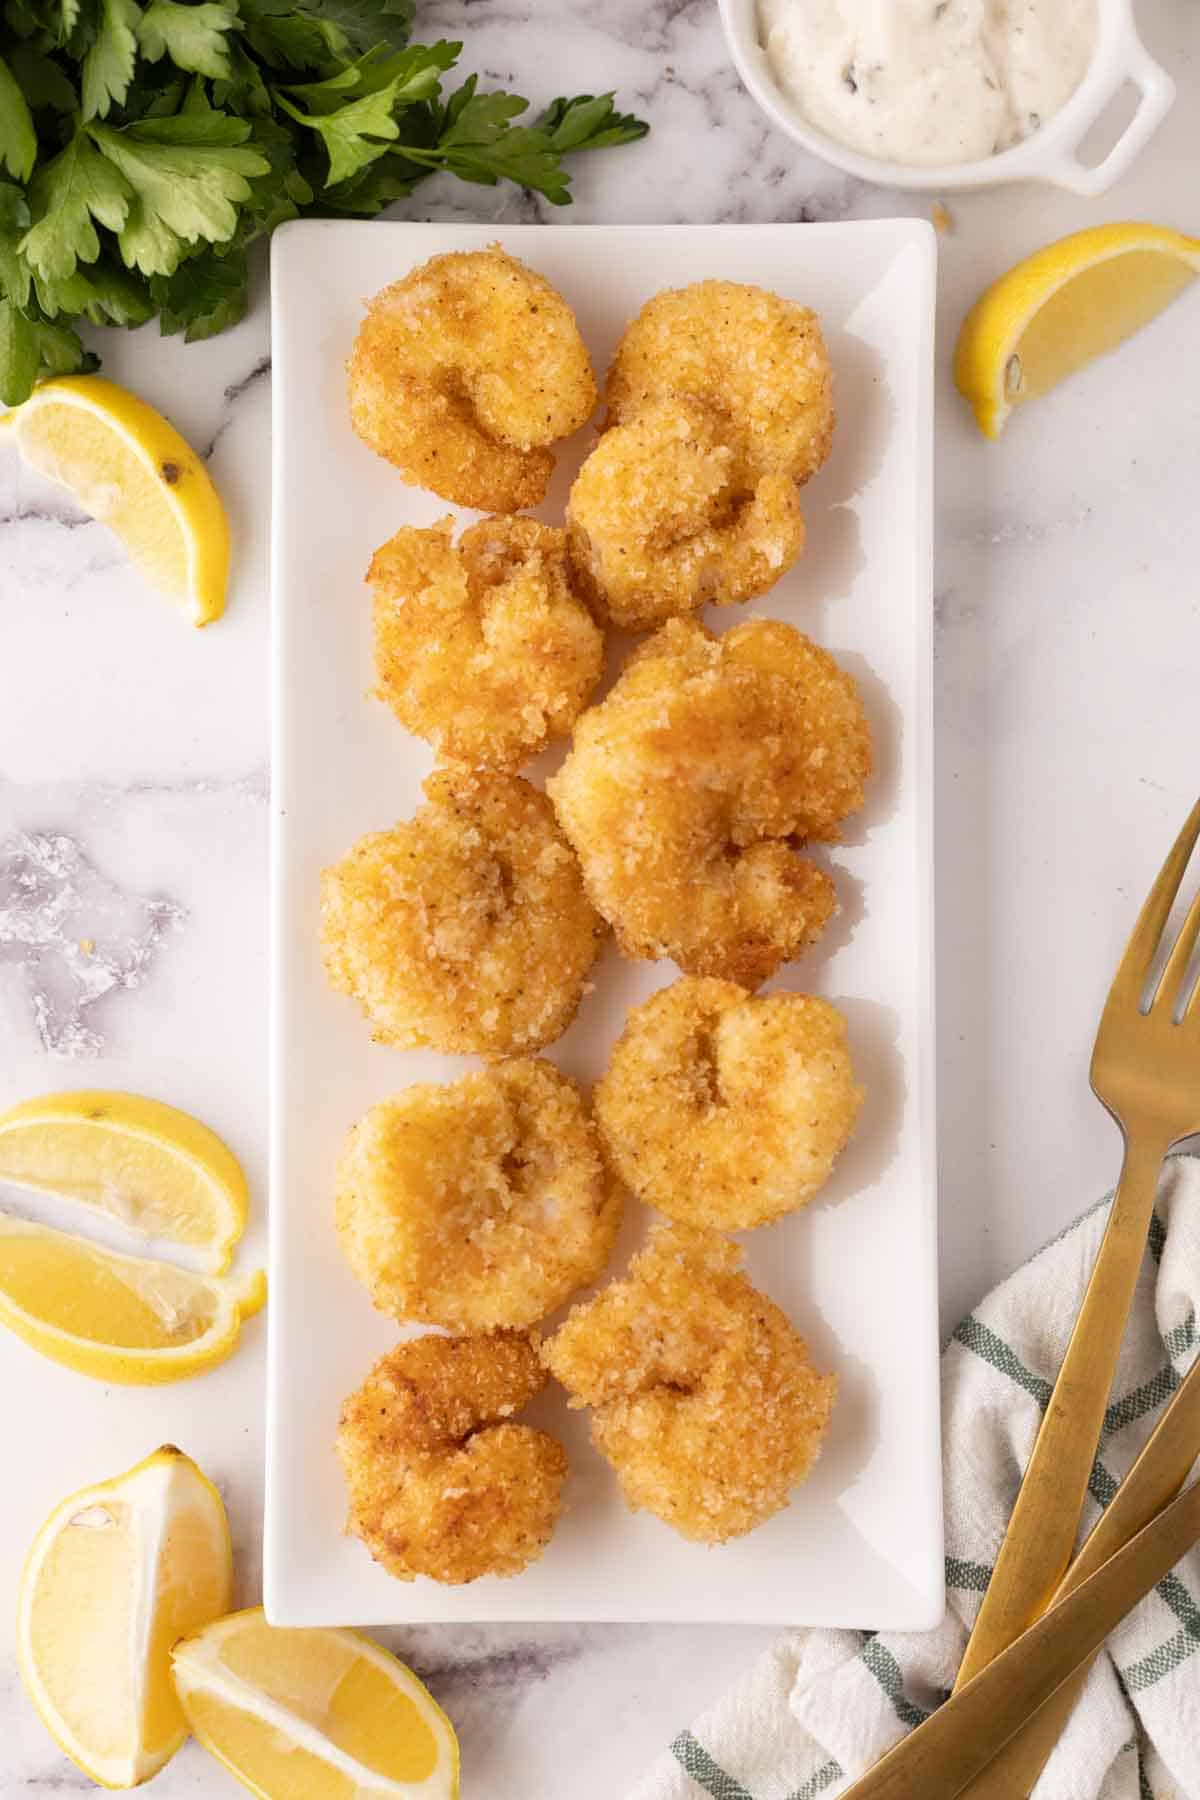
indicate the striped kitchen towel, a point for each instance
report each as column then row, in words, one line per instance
column 822, row 1706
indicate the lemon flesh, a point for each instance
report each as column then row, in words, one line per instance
column 148, row 1166
column 130, row 469
column 1064, row 306
column 116, row 1575
column 117, row 1318
column 314, row 1715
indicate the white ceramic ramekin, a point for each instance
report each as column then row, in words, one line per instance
column 1051, row 154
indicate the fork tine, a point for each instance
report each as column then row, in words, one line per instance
column 1179, row 962
column 1139, row 952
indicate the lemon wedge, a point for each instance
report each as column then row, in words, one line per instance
column 1063, row 306
column 116, row 1575
column 314, row 1715
column 131, row 470
column 117, row 1318
column 151, row 1168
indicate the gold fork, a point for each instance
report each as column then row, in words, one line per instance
column 1146, row 1071
column 992, row 1737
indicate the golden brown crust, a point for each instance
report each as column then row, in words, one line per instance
column 726, row 1110
column 440, row 1482
column 465, row 928
column 706, row 1403
column 666, row 516
column 758, row 360
column 483, row 647
column 465, row 372
column 689, row 789
column 478, row 1203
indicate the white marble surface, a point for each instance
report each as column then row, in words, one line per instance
column 1069, row 654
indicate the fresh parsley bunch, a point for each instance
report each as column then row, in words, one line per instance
column 149, row 143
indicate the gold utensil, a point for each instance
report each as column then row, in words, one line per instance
column 1146, row 1071
column 1159, row 1472
column 952, row 1746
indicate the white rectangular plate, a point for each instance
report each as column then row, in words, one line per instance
column 861, row 1543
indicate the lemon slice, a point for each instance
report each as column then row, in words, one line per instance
column 116, row 1575
column 155, row 1170
column 314, row 1715
column 118, row 1318
column 131, row 470
column 1058, row 309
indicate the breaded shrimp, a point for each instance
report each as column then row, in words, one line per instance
column 758, row 360
column 689, row 789
column 726, row 1110
column 705, row 1401
column 483, row 647
column 440, row 1482
column 466, row 927
column 480, row 1202
column 465, row 372
column 665, row 516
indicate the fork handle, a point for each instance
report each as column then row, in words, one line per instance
column 947, row 1750
column 1041, row 1533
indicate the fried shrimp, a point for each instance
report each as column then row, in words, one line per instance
column 477, row 1203
column 465, row 928
column 483, row 648
column 465, row 372
column 666, row 515
column 440, row 1482
column 724, row 1110
column 690, row 787
column 706, row 1403
column 757, row 360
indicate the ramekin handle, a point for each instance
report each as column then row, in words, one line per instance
column 1157, row 92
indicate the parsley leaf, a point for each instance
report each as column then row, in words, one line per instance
column 187, row 177
column 205, row 295
column 29, row 344
column 105, row 294
column 43, row 83
column 108, row 65
column 20, row 356
column 70, row 196
column 365, row 24
column 14, row 222
column 352, row 133
column 192, row 37
column 589, row 122
column 18, row 140
column 413, row 76
column 391, row 178
column 286, row 37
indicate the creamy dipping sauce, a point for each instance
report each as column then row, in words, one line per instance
column 929, row 81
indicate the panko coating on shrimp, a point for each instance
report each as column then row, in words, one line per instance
column 665, row 516
column 480, row 1202
column 725, row 1109
column 440, row 1481
column 465, row 928
column 689, row 789
column 757, row 360
column 705, row 1401
column 464, row 374
column 483, row 647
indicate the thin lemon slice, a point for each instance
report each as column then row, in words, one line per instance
column 1058, row 309
column 115, row 1577
column 118, row 1318
column 151, row 1168
column 131, row 470
column 314, row 1715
